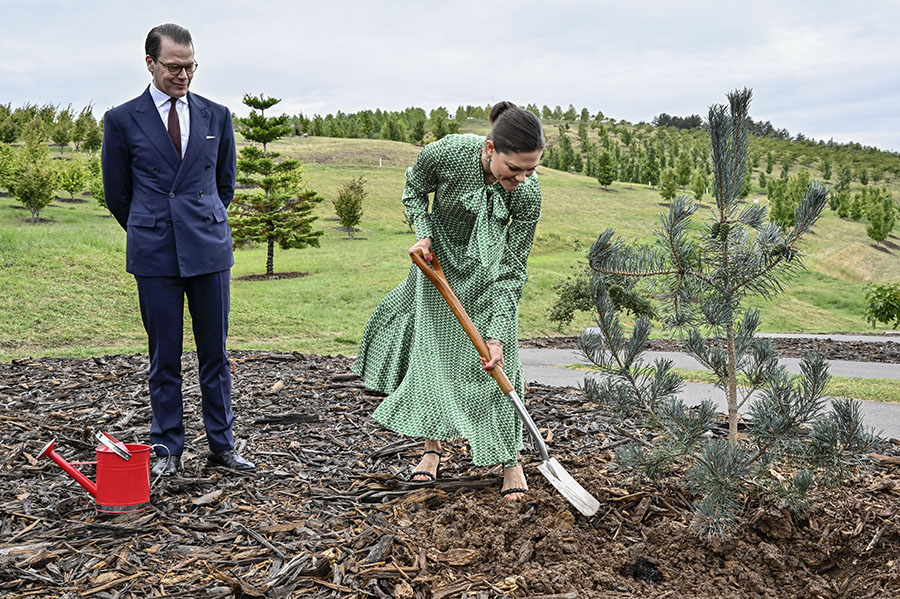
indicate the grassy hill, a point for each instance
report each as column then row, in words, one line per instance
column 64, row 291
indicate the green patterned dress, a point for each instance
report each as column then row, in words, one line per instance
column 413, row 347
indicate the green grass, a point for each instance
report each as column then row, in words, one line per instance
column 64, row 289
column 881, row 390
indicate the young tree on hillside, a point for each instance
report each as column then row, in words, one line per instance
column 863, row 176
column 438, row 119
column 883, row 304
column 83, row 124
column 394, row 129
column 606, row 170
column 32, row 182
column 650, row 169
column 95, row 182
column 9, row 129
column 348, row 205
column 93, row 138
column 858, row 205
column 786, row 161
column 826, row 167
column 47, row 114
column 668, row 185
column 71, row 176
column 698, row 186
column 840, row 195
column 577, row 162
column 8, row 165
column 417, row 135
column 566, row 151
column 61, row 131
column 683, row 168
column 780, row 209
column 278, row 207
column 880, row 214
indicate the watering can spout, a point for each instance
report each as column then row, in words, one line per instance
column 81, row 479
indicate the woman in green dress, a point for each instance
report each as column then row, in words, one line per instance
column 481, row 224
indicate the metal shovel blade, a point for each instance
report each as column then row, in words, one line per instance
column 568, row 487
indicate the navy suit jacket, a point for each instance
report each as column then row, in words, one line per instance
column 172, row 209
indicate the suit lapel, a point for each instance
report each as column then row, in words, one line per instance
column 147, row 118
column 197, row 136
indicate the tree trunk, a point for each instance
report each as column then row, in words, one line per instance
column 732, row 385
column 270, row 258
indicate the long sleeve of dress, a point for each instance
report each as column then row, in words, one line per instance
column 421, row 180
column 506, row 290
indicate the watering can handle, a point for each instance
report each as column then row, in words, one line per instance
column 168, row 458
column 116, row 446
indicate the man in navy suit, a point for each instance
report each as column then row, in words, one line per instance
column 168, row 174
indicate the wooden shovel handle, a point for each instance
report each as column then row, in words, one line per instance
column 436, row 275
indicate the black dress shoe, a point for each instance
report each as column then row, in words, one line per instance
column 230, row 459
column 166, row 469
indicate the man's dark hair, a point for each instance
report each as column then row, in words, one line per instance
column 176, row 33
column 514, row 129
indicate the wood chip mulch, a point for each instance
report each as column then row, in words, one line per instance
column 329, row 514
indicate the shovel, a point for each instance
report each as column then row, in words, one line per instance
column 552, row 470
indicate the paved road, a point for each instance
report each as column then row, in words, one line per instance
column 546, row 366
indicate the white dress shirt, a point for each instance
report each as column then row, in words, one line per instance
column 162, row 102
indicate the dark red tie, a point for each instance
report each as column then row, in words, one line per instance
column 174, row 126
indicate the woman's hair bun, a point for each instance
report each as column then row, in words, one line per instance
column 499, row 108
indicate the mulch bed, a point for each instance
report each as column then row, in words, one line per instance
column 328, row 513
column 293, row 274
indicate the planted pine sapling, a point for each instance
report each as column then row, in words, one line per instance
column 702, row 276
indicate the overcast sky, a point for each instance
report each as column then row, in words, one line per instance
column 826, row 68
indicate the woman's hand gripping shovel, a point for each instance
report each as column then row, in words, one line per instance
column 552, row 470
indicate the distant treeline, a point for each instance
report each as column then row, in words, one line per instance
column 760, row 129
column 413, row 124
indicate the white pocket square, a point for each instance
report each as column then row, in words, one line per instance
column 210, row 137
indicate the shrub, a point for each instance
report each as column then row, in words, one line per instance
column 348, row 205
column 883, row 304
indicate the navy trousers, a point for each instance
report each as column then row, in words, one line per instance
column 162, row 311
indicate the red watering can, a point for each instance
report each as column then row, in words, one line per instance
column 123, row 474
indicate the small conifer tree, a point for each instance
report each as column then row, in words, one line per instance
column 606, row 170
column 278, row 208
column 698, row 186
column 880, row 213
column 703, row 281
column 668, row 187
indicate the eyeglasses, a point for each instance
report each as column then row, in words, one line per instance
column 175, row 69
